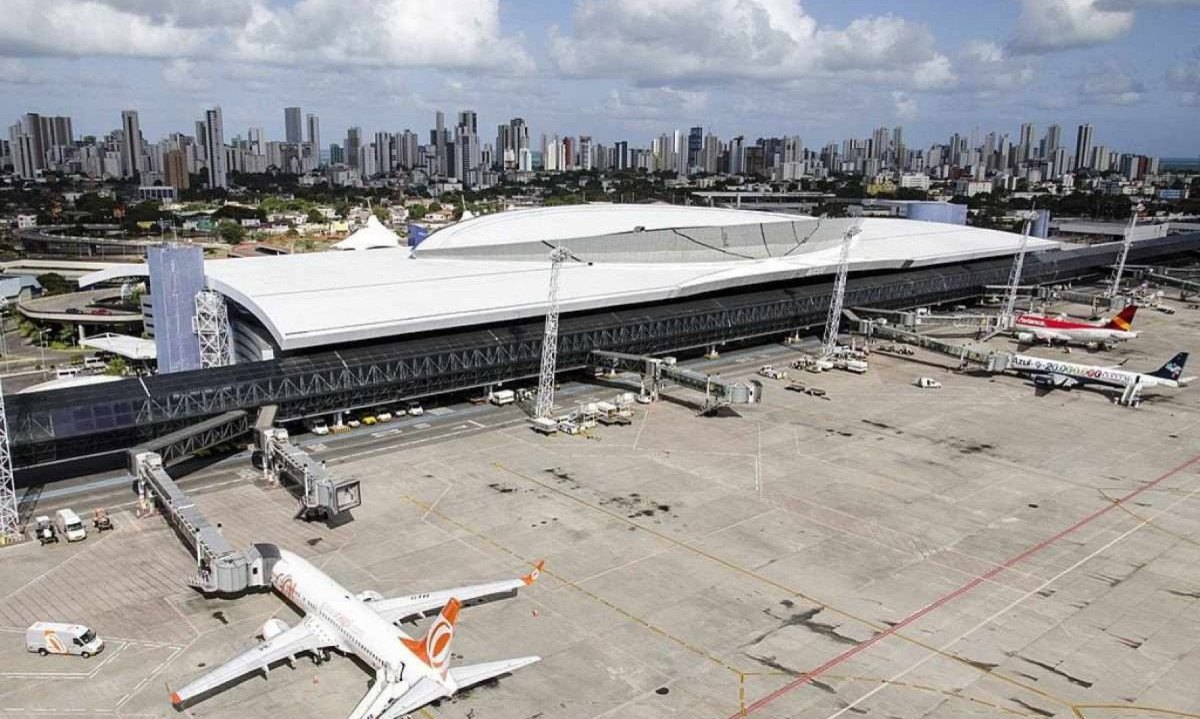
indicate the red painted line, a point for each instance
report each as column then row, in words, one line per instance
column 954, row 594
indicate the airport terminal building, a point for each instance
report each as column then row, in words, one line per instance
column 320, row 332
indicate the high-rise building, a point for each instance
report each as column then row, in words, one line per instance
column 585, row 152
column 254, row 141
column 408, row 152
column 1052, row 141
column 314, row 138
column 292, row 126
column 439, row 142
column 710, row 154
column 1025, row 146
column 337, row 156
column 383, row 153
column 352, row 146
column 695, row 143
column 176, row 169
column 469, row 119
column 1083, row 146
column 214, row 149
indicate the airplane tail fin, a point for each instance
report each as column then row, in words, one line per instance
column 1173, row 369
column 1124, row 320
column 434, row 649
column 533, row 575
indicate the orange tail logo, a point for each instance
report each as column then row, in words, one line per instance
column 1124, row 320
column 434, row 650
column 537, row 572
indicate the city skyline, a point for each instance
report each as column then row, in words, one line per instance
column 619, row 71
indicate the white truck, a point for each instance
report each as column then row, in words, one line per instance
column 70, row 525
column 502, row 397
column 58, row 638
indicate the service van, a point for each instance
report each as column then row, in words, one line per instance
column 58, row 638
column 70, row 525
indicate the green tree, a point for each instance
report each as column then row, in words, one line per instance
column 55, row 284
column 231, row 232
column 117, row 367
column 416, row 212
column 315, row 218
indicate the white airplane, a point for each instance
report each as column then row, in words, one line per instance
column 408, row 673
column 1030, row 326
column 1054, row 374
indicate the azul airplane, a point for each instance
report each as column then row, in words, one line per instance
column 409, row 673
column 1054, row 374
column 1029, row 327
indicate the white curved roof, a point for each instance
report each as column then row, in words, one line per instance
column 370, row 236
column 569, row 221
column 326, row 298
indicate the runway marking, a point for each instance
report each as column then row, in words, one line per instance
column 963, row 589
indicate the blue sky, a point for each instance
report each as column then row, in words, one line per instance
column 617, row 69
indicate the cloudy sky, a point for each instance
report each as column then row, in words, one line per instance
column 617, row 69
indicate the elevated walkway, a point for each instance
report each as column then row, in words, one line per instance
column 220, row 569
column 717, row 392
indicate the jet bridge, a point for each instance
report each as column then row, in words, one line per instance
column 220, row 569
column 323, row 496
column 658, row 371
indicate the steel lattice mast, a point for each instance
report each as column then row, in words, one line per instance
column 545, row 395
column 834, row 318
column 1014, row 275
column 1125, row 244
column 212, row 329
column 10, row 516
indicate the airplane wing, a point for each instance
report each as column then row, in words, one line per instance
column 473, row 674
column 284, row 645
column 400, row 609
column 392, row 703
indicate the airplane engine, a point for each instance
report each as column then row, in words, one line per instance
column 272, row 628
column 369, row 596
column 1025, row 337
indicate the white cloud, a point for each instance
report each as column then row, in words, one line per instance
column 987, row 67
column 906, row 106
column 78, row 28
column 386, row 33
column 653, row 103
column 1110, row 86
column 1051, row 25
column 374, row 33
column 1184, row 77
column 15, row 72
column 701, row 41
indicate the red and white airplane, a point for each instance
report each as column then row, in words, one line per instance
column 1029, row 327
column 409, row 673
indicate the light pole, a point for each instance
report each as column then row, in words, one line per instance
column 42, row 337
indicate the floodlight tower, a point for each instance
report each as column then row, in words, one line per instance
column 545, row 395
column 1116, row 283
column 10, row 516
column 834, row 319
column 1014, row 275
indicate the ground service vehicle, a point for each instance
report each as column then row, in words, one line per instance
column 70, row 525
column 58, row 638
column 45, row 531
column 928, row 383
column 100, row 519
column 503, row 397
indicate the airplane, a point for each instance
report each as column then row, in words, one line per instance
column 409, row 673
column 1054, row 374
column 1030, row 326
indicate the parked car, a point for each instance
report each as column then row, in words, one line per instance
column 414, row 408
column 382, row 414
